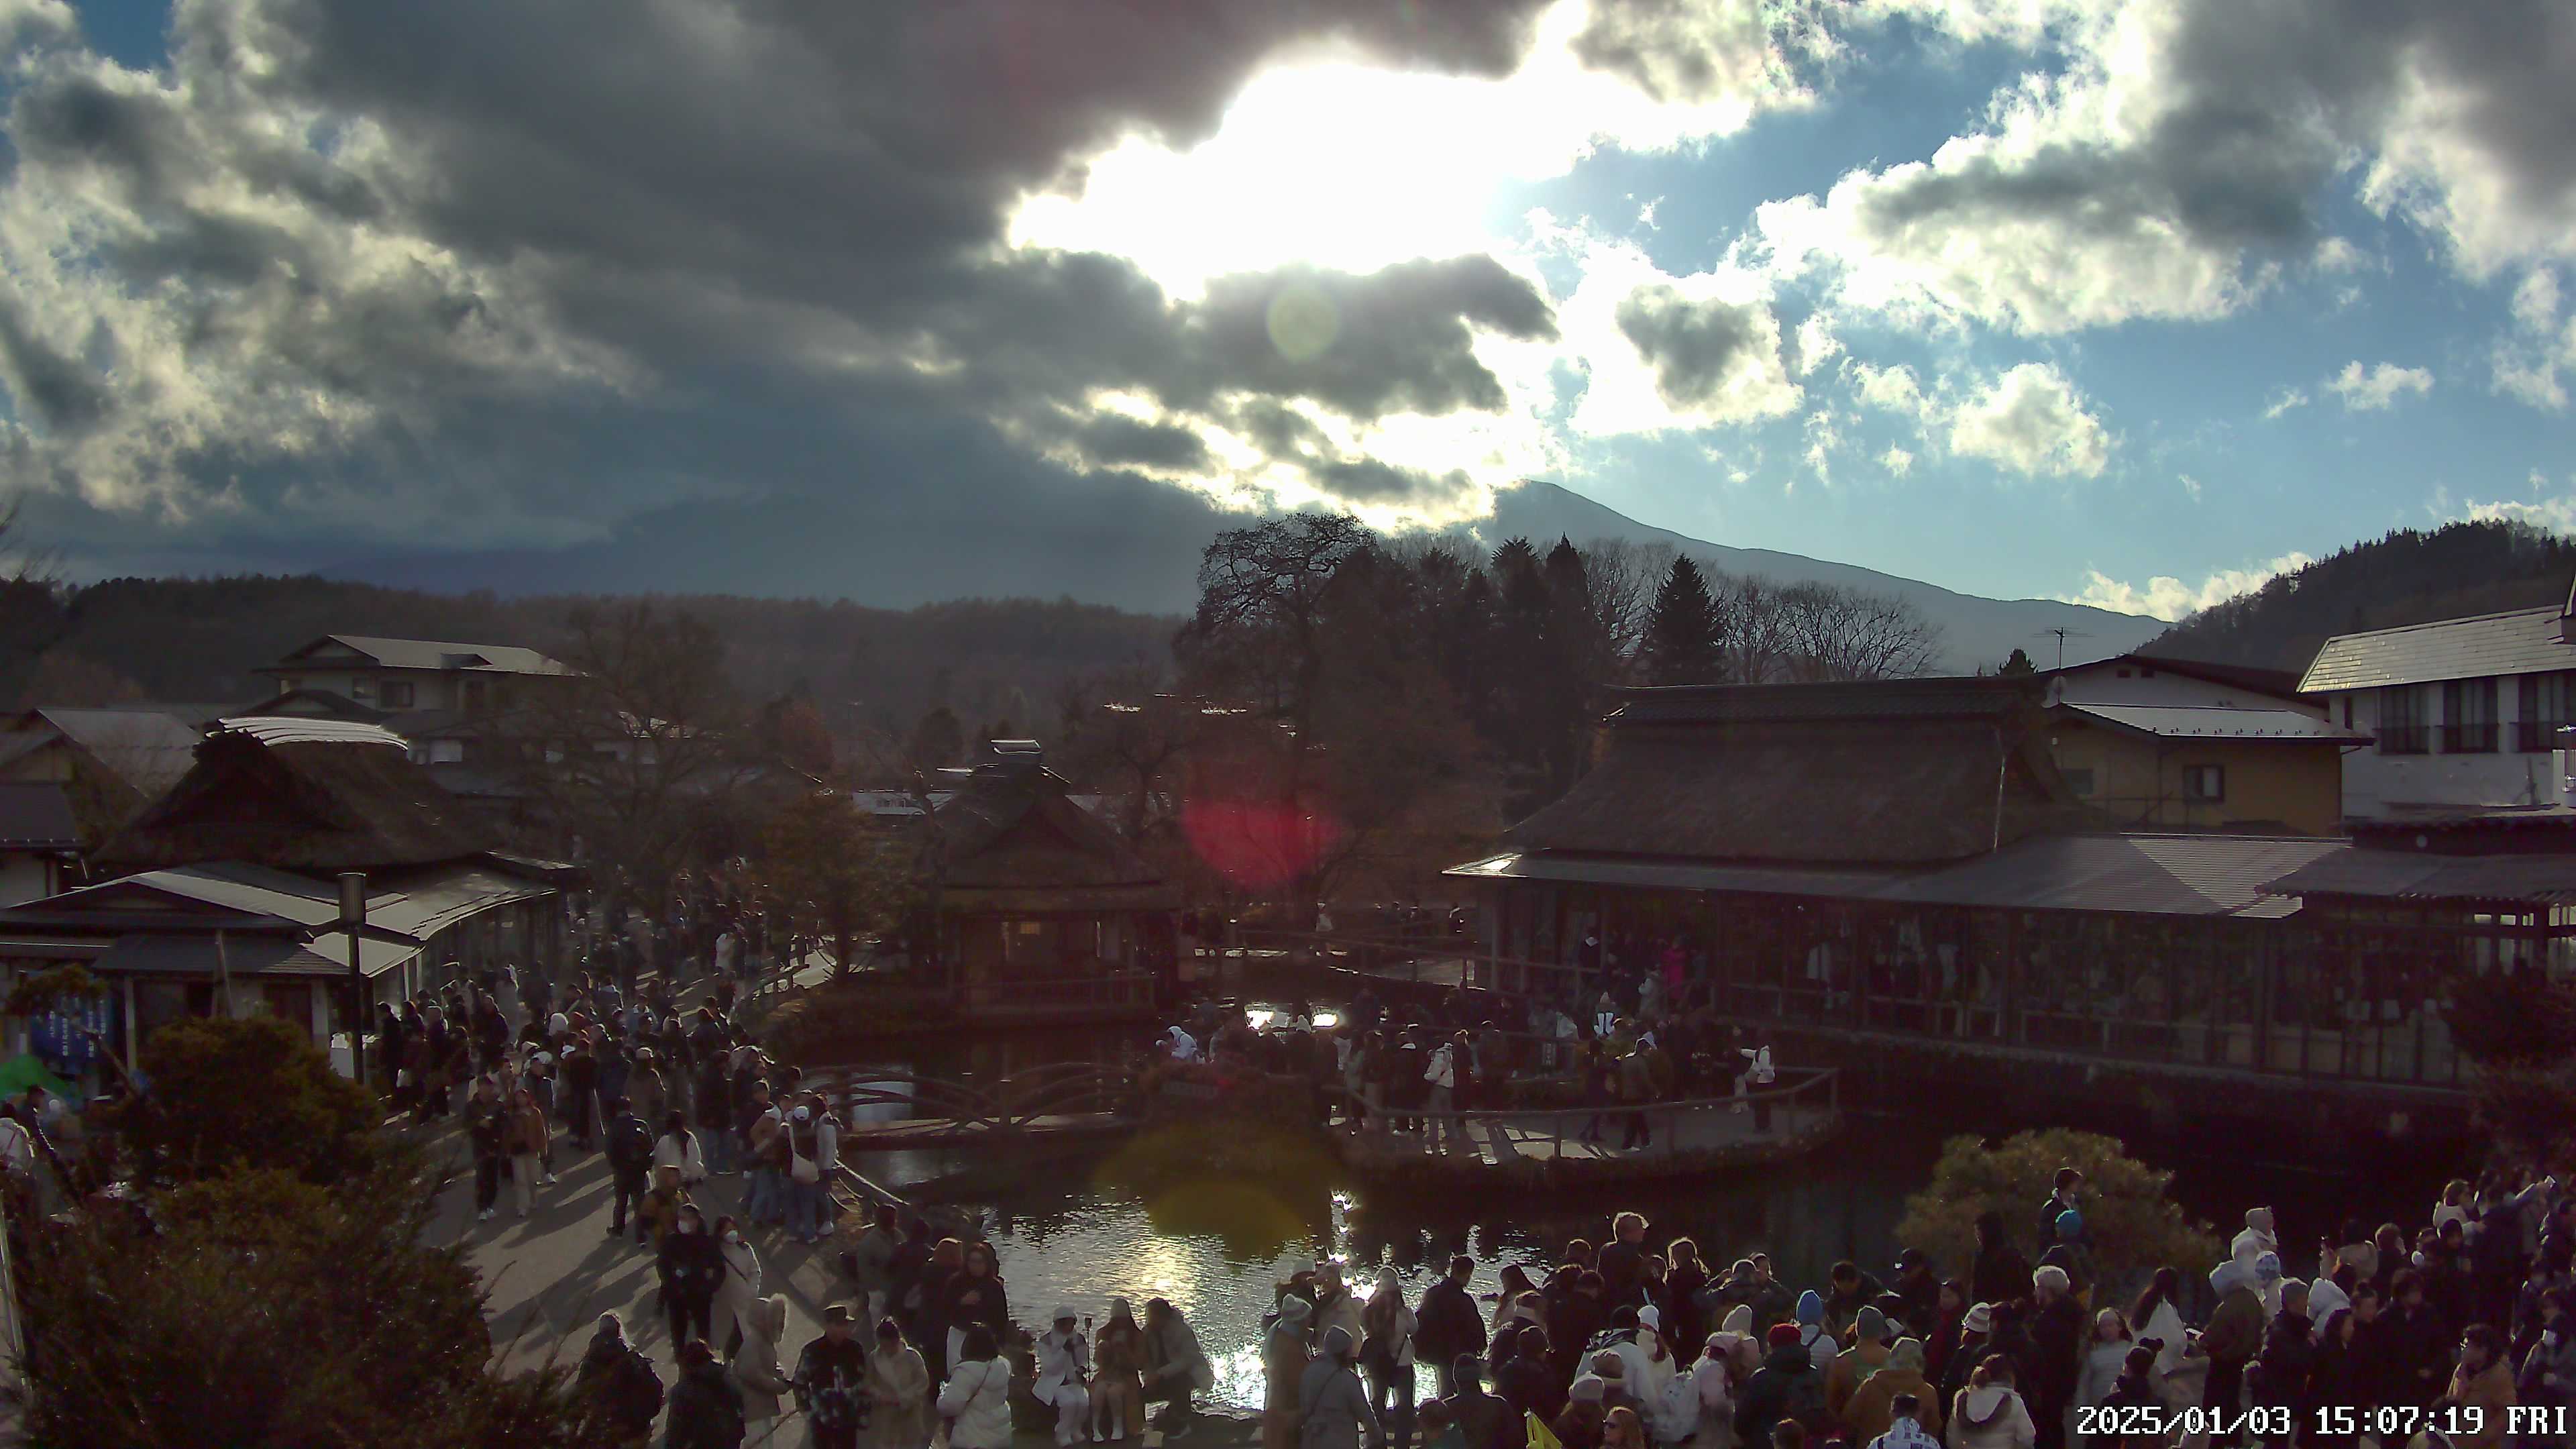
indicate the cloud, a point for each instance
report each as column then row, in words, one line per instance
column 1817, row 343
column 2185, row 150
column 1667, row 353
column 2032, row 420
column 1897, row 461
column 1889, row 389
column 2190, row 485
column 2375, row 389
column 2283, row 401
column 2527, row 360
column 2555, row 514
column 2168, row 598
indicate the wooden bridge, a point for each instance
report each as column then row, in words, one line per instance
column 1065, row 1100
column 1569, row 1144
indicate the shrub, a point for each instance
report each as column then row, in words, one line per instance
column 247, row 1095
column 2129, row 1212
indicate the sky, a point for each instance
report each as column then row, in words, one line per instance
column 2130, row 303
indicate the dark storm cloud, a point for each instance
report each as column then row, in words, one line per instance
column 60, row 391
column 1693, row 346
column 1398, row 338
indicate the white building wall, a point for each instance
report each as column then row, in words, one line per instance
column 2375, row 784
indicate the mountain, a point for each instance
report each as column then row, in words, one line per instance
column 1975, row 632
column 1126, row 543
column 2411, row 576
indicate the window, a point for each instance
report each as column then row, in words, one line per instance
column 2081, row 782
column 2469, row 717
column 2204, row 783
column 446, row 752
column 398, row 694
column 2547, row 702
column 357, row 686
column 2401, row 720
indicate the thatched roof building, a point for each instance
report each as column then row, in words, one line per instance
column 1010, row 837
column 311, row 796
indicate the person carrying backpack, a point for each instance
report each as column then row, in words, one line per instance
column 630, row 1158
column 706, row 1405
column 620, row 1386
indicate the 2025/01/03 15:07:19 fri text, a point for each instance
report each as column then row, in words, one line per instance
column 2400, row 1422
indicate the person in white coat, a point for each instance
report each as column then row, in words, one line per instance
column 2257, row 1239
column 754, row 1362
column 738, row 1291
column 1063, row 1379
column 1988, row 1414
column 976, row 1402
column 678, row 1147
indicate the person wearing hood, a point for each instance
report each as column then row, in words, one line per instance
column 754, row 1363
column 2157, row 1319
column 1118, row 1384
column 1579, row 1424
column 898, row 1390
column 1872, row 1411
column 976, row 1401
column 706, row 1404
column 1612, row 1370
column 1713, row 1388
column 2257, row 1239
column 1284, row 1358
column 1386, row 1355
column 1652, row 1364
column 1332, row 1405
column 2482, row 1387
column 1813, row 1334
column 1484, row 1421
column 1856, row 1365
column 1949, row 1326
column 2000, row 1273
column 1787, row 1386
column 1988, row 1414
column 2325, row 1299
column 2232, row 1337
column 2057, row 1353
column 1062, row 1376
column 1528, row 1381
column 974, row 1298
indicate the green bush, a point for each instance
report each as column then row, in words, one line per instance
column 247, row 1095
column 2129, row 1213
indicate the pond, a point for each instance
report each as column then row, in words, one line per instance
column 1077, row 1228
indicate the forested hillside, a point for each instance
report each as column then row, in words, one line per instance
column 196, row 641
column 2408, row 577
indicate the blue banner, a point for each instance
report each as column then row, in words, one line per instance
column 61, row 1038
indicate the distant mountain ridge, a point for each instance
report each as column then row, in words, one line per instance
column 1125, row 543
column 2409, row 576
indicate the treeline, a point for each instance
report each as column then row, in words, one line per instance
column 1350, row 713
column 2410, row 576
column 195, row 641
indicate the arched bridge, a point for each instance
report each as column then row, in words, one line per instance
column 1067, row 1099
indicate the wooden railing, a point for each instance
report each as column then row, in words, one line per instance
column 1798, row 1089
column 1007, row 1105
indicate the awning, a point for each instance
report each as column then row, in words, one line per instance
column 1676, row 875
column 2406, row 875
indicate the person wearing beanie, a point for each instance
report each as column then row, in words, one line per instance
column 2257, row 1239
column 1713, row 1381
column 1579, row 1426
column 1062, row 1376
column 1872, row 1411
column 1612, row 1370
column 1788, row 1386
column 1820, row 1341
column 1332, row 1403
column 1856, row 1364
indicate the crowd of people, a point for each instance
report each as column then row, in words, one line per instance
column 2397, row 1338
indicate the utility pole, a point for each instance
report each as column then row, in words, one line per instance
column 353, row 919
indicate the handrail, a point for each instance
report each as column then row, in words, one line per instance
column 1811, row 1079
column 1010, row 1104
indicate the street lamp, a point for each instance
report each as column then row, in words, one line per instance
column 353, row 919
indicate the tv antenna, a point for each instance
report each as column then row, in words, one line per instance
column 2064, row 634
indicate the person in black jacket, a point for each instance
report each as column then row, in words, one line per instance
column 2056, row 1348
column 975, row 1297
column 1447, row 1325
column 706, row 1404
column 2284, row 1369
column 1530, row 1382
column 629, row 1144
column 2337, row 1380
column 483, row 1111
column 1623, row 1260
column 692, row 1265
column 2000, row 1273
column 1484, row 1421
column 2417, row 1344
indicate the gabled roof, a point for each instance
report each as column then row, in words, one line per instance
column 302, row 795
column 2521, row 641
column 2281, row 682
column 145, row 749
column 2216, row 722
column 309, row 704
column 36, row 817
column 1014, row 827
column 422, row 654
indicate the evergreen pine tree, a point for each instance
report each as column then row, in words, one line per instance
column 1682, row 631
column 2018, row 665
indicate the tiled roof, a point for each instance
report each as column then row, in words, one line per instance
column 2187, row 875
column 427, row 654
column 2524, row 641
column 2409, row 875
column 1875, row 699
column 2213, row 722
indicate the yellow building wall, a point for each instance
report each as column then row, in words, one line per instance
column 2139, row 781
